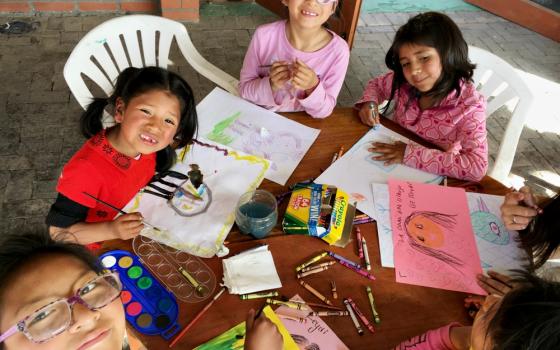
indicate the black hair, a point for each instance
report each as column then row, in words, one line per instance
column 542, row 236
column 136, row 81
column 435, row 30
column 528, row 317
column 20, row 249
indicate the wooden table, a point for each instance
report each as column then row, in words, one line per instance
column 405, row 310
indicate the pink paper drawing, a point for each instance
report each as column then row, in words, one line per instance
column 314, row 334
column 433, row 239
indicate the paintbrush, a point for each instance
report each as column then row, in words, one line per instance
column 119, row 210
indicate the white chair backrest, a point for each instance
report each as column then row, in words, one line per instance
column 499, row 82
column 137, row 41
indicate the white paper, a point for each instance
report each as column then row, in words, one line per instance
column 251, row 271
column 228, row 174
column 355, row 171
column 234, row 122
column 497, row 247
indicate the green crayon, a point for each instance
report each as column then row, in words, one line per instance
column 376, row 317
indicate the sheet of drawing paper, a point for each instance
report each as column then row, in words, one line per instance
column 313, row 334
column 383, row 221
column 227, row 173
column 234, row 122
column 497, row 247
column 356, row 169
column 434, row 244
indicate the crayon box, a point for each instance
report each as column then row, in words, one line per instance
column 321, row 211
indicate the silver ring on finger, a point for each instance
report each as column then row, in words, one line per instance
column 513, row 219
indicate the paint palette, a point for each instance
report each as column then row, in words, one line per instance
column 149, row 307
column 164, row 262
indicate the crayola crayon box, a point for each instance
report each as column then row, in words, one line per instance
column 321, row 211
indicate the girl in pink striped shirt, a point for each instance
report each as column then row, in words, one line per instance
column 430, row 92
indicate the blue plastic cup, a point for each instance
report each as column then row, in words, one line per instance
column 256, row 213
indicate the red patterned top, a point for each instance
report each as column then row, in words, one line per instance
column 457, row 124
column 103, row 172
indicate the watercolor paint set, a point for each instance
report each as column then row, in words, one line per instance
column 149, row 307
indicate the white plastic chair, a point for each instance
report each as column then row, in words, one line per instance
column 499, row 82
column 147, row 40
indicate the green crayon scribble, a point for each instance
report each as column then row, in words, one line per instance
column 218, row 133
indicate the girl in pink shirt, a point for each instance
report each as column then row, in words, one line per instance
column 296, row 65
column 431, row 91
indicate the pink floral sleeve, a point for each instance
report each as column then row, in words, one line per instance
column 465, row 157
column 378, row 89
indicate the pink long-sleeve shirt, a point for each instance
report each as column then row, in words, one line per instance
column 270, row 44
column 435, row 339
column 457, row 124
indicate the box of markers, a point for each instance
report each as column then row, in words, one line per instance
column 322, row 211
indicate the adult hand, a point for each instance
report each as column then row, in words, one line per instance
column 519, row 209
column 279, row 74
column 368, row 116
column 127, row 226
column 303, row 77
column 262, row 333
column 495, row 283
column 391, row 153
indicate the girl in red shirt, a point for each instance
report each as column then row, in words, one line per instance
column 154, row 113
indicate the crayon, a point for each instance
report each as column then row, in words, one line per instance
column 323, row 306
column 258, row 295
column 199, row 289
column 361, row 216
column 292, row 318
column 359, row 239
column 335, row 156
column 313, row 260
column 315, row 292
column 353, row 317
column 366, row 254
column 376, row 317
column 358, row 270
column 312, row 271
column 374, row 112
column 333, row 290
column 313, row 267
column 341, row 258
column 289, row 304
column 329, row 313
column 364, row 320
column 340, row 152
column 362, row 221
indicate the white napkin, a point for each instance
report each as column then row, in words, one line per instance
column 251, row 271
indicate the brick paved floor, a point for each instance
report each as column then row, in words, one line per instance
column 38, row 115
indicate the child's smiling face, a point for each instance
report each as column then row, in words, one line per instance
column 421, row 66
column 425, row 232
column 148, row 123
column 309, row 13
column 39, row 283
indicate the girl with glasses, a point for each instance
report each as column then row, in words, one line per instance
column 55, row 295
column 296, row 64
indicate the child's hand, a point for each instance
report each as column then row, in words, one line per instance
column 262, row 333
column 303, row 77
column 390, row 153
column 366, row 115
column 495, row 283
column 127, row 226
column 279, row 75
column 519, row 209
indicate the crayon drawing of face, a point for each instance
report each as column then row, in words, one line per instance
column 425, row 231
